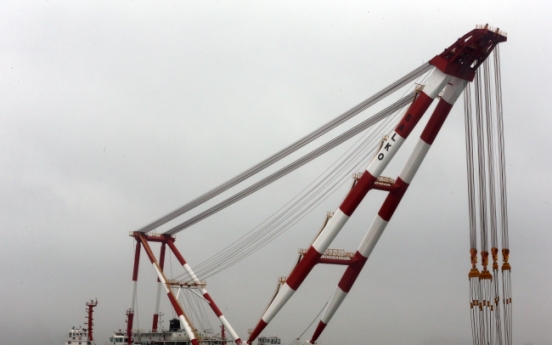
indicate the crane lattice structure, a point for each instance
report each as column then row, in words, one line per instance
column 450, row 74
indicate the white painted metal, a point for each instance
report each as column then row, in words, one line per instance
column 222, row 319
column 158, row 298
column 435, row 83
column 374, row 233
column 454, row 90
column 338, row 297
column 133, row 296
column 390, row 146
column 414, row 161
column 229, row 328
column 191, row 273
column 182, row 319
column 283, row 296
column 329, row 232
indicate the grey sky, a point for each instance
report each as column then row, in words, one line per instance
column 115, row 113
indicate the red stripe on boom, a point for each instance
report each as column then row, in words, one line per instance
column 355, row 196
column 436, row 121
column 352, row 272
column 303, row 268
column 413, row 115
column 175, row 304
column 317, row 332
column 161, row 259
column 176, row 253
column 393, row 199
column 213, row 305
column 257, row 331
column 136, row 261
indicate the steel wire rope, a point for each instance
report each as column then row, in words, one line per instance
column 279, row 214
column 494, row 170
column 289, row 221
column 276, row 216
column 483, row 286
column 313, row 321
column 489, row 125
column 201, row 311
column 192, row 312
column 275, row 219
column 290, row 206
column 474, row 281
column 491, row 184
column 501, row 154
column 469, row 165
column 137, row 313
column 268, row 226
column 506, row 279
column 201, row 305
column 291, row 148
column 270, row 222
column 481, row 164
column 170, row 288
column 287, row 169
column 242, row 243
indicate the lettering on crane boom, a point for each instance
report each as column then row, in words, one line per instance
column 407, row 118
column 386, row 147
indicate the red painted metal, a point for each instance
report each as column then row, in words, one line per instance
column 176, row 252
column 130, row 312
column 162, row 258
column 436, row 122
column 223, row 334
column 318, row 331
column 352, row 272
column 413, row 115
column 463, row 57
column 216, row 310
column 302, row 269
column 130, row 318
column 136, row 262
column 155, row 320
column 260, row 326
column 90, row 311
column 393, row 198
column 405, row 126
column 357, row 193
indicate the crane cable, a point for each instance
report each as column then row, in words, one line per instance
column 309, row 326
column 301, row 205
column 281, row 221
column 298, row 163
column 425, row 67
column 506, row 268
column 490, row 323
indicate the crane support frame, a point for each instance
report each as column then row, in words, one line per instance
column 168, row 240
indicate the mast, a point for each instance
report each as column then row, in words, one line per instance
column 90, row 312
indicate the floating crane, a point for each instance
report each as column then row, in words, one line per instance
column 451, row 73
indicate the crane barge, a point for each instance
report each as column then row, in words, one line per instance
column 448, row 75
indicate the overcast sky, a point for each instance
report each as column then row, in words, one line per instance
column 113, row 113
